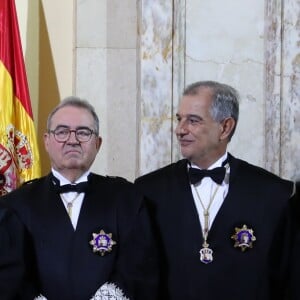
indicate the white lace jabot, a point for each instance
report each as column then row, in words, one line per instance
column 108, row 291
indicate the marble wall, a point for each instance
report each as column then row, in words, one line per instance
column 240, row 44
column 156, row 62
column 134, row 57
column 226, row 44
column 105, row 68
column 289, row 126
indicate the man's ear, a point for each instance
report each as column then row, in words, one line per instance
column 98, row 142
column 46, row 138
column 227, row 126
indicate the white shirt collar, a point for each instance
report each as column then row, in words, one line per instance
column 63, row 180
column 216, row 164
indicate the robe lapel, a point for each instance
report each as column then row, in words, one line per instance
column 56, row 213
column 186, row 222
column 96, row 210
column 239, row 207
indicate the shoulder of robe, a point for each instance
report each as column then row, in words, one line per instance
column 117, row 178
column 29, row 181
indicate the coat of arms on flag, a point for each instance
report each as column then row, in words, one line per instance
column 19, row 157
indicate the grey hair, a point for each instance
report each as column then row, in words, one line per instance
column 75, row 102
column 225, row 100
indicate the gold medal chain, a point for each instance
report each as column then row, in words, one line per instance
column 69, row 203
column 205, row 230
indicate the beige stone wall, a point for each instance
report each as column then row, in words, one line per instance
column 132, row 58
column 47, row 34
column 252, row 45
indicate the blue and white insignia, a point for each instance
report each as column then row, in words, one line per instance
column 102, row 242
column 206, row 255
column 243, row 237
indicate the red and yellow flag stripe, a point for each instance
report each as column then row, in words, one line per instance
column 19, row 155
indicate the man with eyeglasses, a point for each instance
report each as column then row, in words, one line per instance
column 89, row 236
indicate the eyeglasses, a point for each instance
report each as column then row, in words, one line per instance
column 82, row 135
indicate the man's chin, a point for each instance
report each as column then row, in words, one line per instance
column 73, row 164
column 185, row 154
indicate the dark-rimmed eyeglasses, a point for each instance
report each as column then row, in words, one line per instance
column 82, row 135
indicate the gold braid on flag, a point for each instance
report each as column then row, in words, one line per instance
column 19, row 156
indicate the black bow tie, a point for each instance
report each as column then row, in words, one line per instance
column 77, row 187
column 217, row 174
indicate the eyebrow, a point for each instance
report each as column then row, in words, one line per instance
column 69, row 127
column 190, row 116
column 194, row 116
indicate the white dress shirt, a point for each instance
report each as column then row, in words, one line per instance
column 68, row 197
column 206, row 188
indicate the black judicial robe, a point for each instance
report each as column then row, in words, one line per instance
column 64, row 265
column 257, row 199
column 11, row 254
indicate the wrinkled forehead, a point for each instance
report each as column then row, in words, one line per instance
column 195, row 104
column 73, row 117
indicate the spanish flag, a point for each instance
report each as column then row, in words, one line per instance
column 19, row 156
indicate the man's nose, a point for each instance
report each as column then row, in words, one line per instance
column 72, row 137
column 181, row 128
